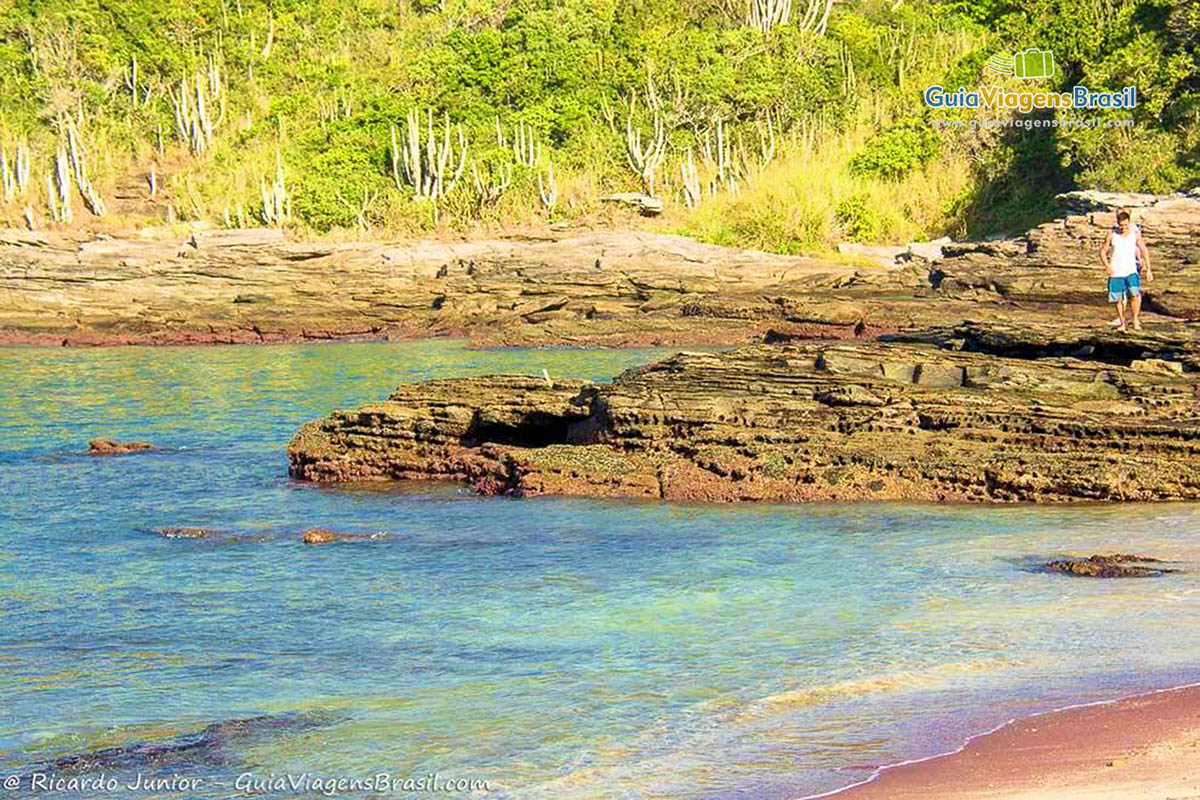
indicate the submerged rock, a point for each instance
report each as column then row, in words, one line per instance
column 187, row 533
column 325, row 536
column 109, row 447
column 216, row 744
column 1117, row 565
column 974, row 413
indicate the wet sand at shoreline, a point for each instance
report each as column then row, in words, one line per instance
column 1141, row 748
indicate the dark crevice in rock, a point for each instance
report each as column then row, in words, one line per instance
column 535, row 429
column 1112, row 353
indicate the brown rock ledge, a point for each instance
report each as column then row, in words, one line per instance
column 1058, row 262
column 111, row 447
column 972, row 412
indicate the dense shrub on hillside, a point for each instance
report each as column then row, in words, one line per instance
column 1150, row 44
column 897, row 151
column 858, row 220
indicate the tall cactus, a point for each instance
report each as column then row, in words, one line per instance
column 131, row 80
column 645, row 157
column 525, row 147
column 548, row 190
column 429, row 170
column 194, row 103
column 490, row 187
column 691, row 181
column 78, row 158
column 14, row 174
column 766, row 15
column 7, row 178
column 58, row 186
column 719, row 158
column 766, row 141
column 276, row 201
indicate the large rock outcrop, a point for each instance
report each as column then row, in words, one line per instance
column 971, row 412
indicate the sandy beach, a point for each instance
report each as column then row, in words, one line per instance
column 1142, row 748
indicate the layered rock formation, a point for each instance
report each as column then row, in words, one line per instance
column 609, row 288
column 971, row 412
column 621, row 287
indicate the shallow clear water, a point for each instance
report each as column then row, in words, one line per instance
column 554, row 648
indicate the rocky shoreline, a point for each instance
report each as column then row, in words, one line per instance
column 608, row 288
column 975, row 372
column 602, row 289
column 1029, row 398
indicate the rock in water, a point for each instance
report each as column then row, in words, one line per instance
column 319, row 536
column 974, row 413
column 326, row 536
column 1119, row 565
column 187, row 533
column 109, row 447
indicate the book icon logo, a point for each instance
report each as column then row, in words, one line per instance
column 1031, row 63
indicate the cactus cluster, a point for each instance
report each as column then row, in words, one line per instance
column 194, row 103
column 428, row 167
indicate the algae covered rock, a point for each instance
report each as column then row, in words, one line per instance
column 968, row 413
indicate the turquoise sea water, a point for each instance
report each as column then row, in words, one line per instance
column 554, row 648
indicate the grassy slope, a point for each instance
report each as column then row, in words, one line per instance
column 317, row 85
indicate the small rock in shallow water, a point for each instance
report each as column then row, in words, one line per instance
column 1117, row 565
column 325, row 536
column 187, row 533
column 108, row 447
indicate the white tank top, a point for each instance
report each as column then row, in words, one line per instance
column 1124, row 254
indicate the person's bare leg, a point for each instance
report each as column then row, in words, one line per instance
column 1121, row 314
column 1137, row 311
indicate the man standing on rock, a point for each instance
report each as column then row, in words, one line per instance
column 1121, row 253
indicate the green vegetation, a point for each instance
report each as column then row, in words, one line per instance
column 236, row 112
column 859, row 221
column 897, row 151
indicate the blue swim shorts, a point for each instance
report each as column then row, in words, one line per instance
column 1129, row 286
